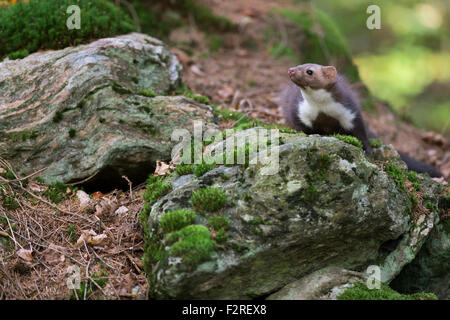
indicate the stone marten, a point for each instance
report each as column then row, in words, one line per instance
column 320, row 101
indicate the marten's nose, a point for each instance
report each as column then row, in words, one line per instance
column 291, row 71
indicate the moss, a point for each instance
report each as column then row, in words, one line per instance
column 48, row 30
column 412, row 176
column 135, row 80
column 145, row 128
column 56, row 192
column 147, row 93
column 359, row 291
column 209, row 199
column 19, row 54
column 194, row 245
column 417, row 186
column 201, row 169
column 349, row 139
column 57, row 117
column 184, row 169
column 375, row 142
column 257, row 221
column 176, row 219
column 396, row 174
column 430, row 206
column 72, row 132
column 117, row 87
column 198, row 98
column 413, row 199
column 22, row 135
column 219, row 222
column 156, row 188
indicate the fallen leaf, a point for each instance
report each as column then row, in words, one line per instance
column 90, row 237
column 121, row 210
column 162, row 168
column 26, row 255
column 196, row 70
column 97, row 195
column 33, row 186
column 85, row 200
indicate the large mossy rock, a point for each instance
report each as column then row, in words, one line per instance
column 89, row 110
column 327, row 205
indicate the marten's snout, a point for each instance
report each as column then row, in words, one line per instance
column 291, row 71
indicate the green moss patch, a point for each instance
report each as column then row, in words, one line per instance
column 396, row 174
column 360, row 292
column 176, row 219
column 349, row 139
column 375, row 142
column 194, row 244
column 41, row 24
column 147, row 93
column 208, row 199
column 156, row 188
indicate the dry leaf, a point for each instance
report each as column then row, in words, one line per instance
column 196, row 70
column 97, row 195
column 85, row 201
column 122, row 210
column 90, row 237
column 26, row 255
column 33, row 186
column 52, row 256
column 162, row 168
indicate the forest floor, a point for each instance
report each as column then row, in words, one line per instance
column 240, row 74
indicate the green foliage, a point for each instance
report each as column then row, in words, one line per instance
column 98, row 280
column 56, row 192
column 397, row 174
column 41, row 24
column 176, row 219
column 195, row 246
column 375, row 142
column 208, row 199
column 147, row 93
column 198, row 98
column 117, row 87
column 19, row 54
column 348, row 139
column 22, row 136
column 219, row 222
column 360, row 292
column 184, row 169
column 412, row 176
column 71, row 232
column 72, row 132
column 201, row 169
column 58, row 116
column 156, row 188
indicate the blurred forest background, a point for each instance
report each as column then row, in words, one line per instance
column 405, row 63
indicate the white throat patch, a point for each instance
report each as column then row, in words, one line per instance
column 316, row 101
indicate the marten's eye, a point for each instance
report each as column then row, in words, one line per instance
column 309, row 72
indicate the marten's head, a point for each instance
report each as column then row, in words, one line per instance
column 313, row 75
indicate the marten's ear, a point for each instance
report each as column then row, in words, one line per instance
column 329, row 73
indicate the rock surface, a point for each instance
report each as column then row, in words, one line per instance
column 328, row 205
column 430, row 270
column 78, row 111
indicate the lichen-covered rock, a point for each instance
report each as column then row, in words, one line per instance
column 430, row 270
column 327, row 205
column 324, row 284
column 89, row 110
